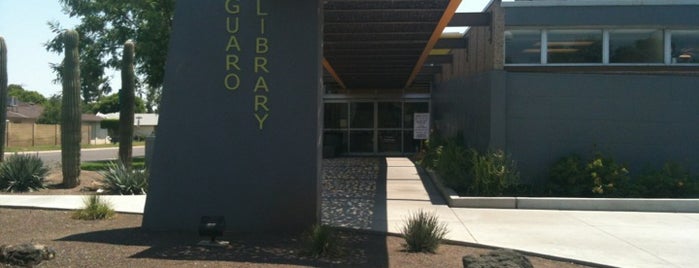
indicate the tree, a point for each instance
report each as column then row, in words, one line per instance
column 52, row 111
column 71, row 114
column 3, row 94
column 110, row 104
column 24, row 95
column 105, row 26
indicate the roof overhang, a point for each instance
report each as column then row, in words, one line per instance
column 384, row 44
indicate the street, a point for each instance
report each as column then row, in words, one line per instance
column 54, row 157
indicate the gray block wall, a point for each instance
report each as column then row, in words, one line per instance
column 640, row 120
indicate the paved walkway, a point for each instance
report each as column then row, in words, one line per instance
column 356, row 195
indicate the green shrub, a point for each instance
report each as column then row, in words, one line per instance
column 322, row 241
column 431, row 152
column 453, row 166
column 423, row 232
column 608, row 177
column 568, row 177
column 600, row 176
column 118, row 179
column 22, row 173
column 95, row 209
column 493, row 173
column 673, row 180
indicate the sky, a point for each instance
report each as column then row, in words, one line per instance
column 23, row 24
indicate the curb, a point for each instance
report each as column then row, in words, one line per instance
column 561, row 203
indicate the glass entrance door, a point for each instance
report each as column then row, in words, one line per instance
column 370, row 127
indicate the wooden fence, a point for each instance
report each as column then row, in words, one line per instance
column 29, row 135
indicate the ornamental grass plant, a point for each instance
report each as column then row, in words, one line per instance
column 321, row 241
column 423, row 232
column 95, row 209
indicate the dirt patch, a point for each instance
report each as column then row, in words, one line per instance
column 120, row 242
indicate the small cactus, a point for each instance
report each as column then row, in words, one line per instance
column 71, row 113
column 126, row 104
column 3, row 95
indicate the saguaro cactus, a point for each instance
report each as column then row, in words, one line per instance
column 3, row 95
column 70, row 113
column 126, row 104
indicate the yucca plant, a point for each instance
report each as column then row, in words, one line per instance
column 95, row 209
column 118, row 179
column 322, row 241
column 423, row 232
column 22, row 173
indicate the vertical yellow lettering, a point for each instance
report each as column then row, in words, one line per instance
column 259, row 9
column 260, row 64
column 261, row 84
column 262, row 26
column 232, row 78
column 232, row 9
column 232, row 61
column 261, row 102
column 261, row 120
column 233, row 43
column 262, row 45
column 235, row 28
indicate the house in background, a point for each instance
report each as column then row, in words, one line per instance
column 22, row 129
column 144, row 124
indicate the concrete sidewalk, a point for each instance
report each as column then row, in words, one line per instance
column 624, row 239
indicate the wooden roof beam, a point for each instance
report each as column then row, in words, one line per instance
column 332, row 72
column 443, row 22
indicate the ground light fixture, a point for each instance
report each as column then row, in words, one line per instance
column 212, row 226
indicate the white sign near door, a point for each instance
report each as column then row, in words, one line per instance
column 421, row 126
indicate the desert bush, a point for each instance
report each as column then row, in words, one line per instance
column 322, row 241
column 608, row 177
column 672, row 180
column 95, row 209
column 600, row 176
column 567, row 177
column 431, row 152
column 423, row 232
column 453, row 166
column 118, row 179
column 493, row 173
column 22, row 173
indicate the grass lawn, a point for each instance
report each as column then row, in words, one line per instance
column 58, row 147
column 138, row 163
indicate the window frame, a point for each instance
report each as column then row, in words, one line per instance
column 543, row 40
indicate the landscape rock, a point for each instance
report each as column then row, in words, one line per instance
column 501, row 258
column 28, row 255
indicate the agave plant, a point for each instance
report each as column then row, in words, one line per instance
column 22, row 173
column 118, row 179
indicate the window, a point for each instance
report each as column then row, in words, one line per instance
column 335, row 116
column 574, row 46
column 685, row 46
column 523, row 46
column 636, row 46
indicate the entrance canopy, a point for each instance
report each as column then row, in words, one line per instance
column 384, row 44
